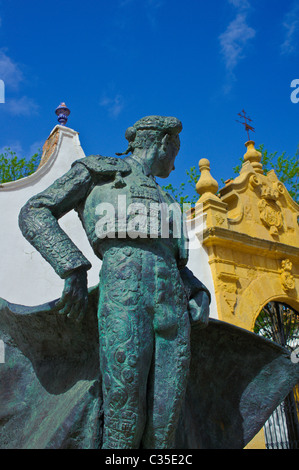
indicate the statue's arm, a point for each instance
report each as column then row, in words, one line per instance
column 38, row 221
column 198, row 295
column 192, row 285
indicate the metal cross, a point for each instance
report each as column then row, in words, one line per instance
column 245, row 124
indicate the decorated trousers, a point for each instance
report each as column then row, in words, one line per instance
column 144, row 340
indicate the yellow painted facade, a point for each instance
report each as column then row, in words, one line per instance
column 252, row 240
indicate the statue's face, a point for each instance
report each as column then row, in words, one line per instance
column 166, row 154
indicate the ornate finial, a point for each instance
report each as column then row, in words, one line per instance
column 253, row 156
column 245, row 123
column 206, row 186
column 63, row 112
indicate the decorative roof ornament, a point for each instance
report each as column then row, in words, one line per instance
column 252, row 155
column 62, row 112
column 245, row 123
column 206, row 186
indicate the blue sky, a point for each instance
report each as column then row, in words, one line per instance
column 116, row 61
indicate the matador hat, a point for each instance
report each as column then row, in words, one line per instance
column 168, row 124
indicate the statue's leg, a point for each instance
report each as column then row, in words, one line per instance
column 125, row 363
column 126, row 349
column 167, row 387
column 170, row 366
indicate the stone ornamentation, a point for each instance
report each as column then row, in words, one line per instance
column 287, row 279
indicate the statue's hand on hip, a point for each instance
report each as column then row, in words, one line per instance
column 199, row 309
column 74, row 300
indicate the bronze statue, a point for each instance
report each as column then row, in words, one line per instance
column 143, row 306
column 154, row 377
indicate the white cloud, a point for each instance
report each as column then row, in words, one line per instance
column 291, row 26
column 23, row 106
column 240, row 4
column 10, row 72
column 234, row 40
column 12, row 76
column 114, row 105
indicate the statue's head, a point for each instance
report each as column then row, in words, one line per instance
column 157, row 136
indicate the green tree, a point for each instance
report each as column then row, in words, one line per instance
column 13, row 168
column 179, row 193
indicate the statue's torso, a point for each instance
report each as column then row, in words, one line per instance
column 132, row 208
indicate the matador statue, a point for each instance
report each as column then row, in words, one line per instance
column 158, row 372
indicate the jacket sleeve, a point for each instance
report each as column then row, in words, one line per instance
column 38, row 221
column 192, row 285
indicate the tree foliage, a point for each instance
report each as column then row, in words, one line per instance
column 13, row 168
column 179, row 193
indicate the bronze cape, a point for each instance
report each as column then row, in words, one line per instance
column 50, row 393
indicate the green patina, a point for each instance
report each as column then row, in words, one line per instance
column 131, row 363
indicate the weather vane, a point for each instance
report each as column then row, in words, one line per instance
column 245, row 123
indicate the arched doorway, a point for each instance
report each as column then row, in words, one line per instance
column 279, row 322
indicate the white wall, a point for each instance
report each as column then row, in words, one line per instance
column 198, row 257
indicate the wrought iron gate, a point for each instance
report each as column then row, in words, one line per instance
column 280, row 323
